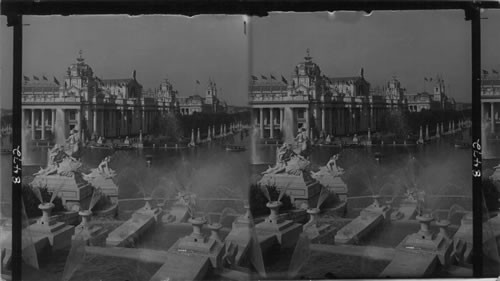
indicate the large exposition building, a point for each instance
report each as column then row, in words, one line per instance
column 94, row 106
column 427, row 101
column 311, row 100
column 490, row 102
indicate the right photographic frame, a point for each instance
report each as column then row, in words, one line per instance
column 362, row 144
column 490, row 136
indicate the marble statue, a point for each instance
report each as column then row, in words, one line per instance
column 280, row 160
column 126, row 141
column 102, row 170
column 303, row 143
column 355, row 139
column 331, row 168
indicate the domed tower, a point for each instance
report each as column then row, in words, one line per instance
column 394, row 90
column 79, row 80
column 306, row 77
column 211, row 95
column 439, row 91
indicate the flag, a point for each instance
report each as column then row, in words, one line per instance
column 494, row 71
column 283, row 79
column 485, row 72
column 272, row 77
column 36, row 78
column 425, row 78
column 254, row 78
column 198, row 82
column 263, row 77
column 44, row 78
column 430, row 79
column 55, row 81
column 26, row 78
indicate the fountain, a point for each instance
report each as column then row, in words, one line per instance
column 194, row 252
column 58, row 233
column 311, row 228
column 420, row 136
column 425, row 249
column 141, row 221
column 63, row 176
column 329, row 176
column 102, row 178
column 293, row 170
column 209, row 138
column 369, row 219
column 286, row 231
column 192, row 142
column 198, row 136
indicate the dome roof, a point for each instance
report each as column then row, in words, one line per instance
column 307, row 67
column 80, row 68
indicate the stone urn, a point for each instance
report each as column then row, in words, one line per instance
column 425, row 221
column 274, row 207
column 86, row 217
column 443, row 228
column 46, row 209
column 197, row 224
column 148, row 204
column 376, row 201
column 313, row 216
column 215, row 231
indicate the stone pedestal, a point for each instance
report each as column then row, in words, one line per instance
column 107, row 185
column 74, row 191
column 332, row 182
column 240, row 235
column 311, row 228
column 149, row 210
column 286, row 231
column 369, row 218
column 463, row 238
column 58, row 233
column 426, row 242
column 301, row 188
column 377, row 208
column 166, row 217
column 198, row 245
column 93, row 235
column 406, row 211
column 140, row 222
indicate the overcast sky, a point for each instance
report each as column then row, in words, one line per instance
column 178, row 48
column 410, row 45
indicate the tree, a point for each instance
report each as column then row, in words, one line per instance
column 396, row 122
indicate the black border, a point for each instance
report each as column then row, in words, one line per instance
column 14, row 9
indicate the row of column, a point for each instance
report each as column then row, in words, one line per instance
column 334, row 120
column 114, row 123
column 42, row 120
column 271, row 120
column 492, row 115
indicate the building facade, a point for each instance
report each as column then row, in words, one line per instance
column 311, row 100
column 490, row 103
column 437, row 100
column 95, row 107
column 196, row 103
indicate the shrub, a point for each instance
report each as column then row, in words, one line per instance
column 258, row 200
column 31, row 202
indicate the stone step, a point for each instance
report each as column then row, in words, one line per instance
column 144, row 255
column 370, row 252
column 411, row 265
